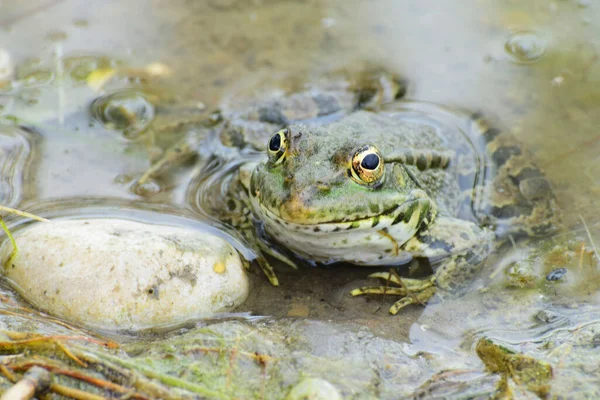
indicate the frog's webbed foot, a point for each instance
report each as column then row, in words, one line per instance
column 457, row 249
column 414, row 291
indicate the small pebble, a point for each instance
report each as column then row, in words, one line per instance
column 557, row 274
column 314, row 389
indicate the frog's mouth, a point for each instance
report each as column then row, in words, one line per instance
column 372, row 240
column 408, row 216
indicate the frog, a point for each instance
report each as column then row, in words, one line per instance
column 383, row 188
column 379, row 184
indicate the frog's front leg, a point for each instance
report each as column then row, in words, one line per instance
column 456, row 249
column 181, row 151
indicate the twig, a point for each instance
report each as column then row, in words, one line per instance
column 69, row 354
column 58, row 370
column 74, row 393
column 9, row 375
column 36, row 380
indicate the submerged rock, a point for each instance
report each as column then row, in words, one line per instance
column 120, row 274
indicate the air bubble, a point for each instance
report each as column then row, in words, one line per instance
column 525, row 47
column 127, row 111
column 147, row 189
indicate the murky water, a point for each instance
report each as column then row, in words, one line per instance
column 530, row 66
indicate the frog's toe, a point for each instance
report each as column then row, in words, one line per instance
column 414, row 291
column 268, row 270
column 408, row 283
column 421, row 297
column 264, row 247
column 398, row 291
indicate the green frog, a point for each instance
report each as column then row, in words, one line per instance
column 380, row 184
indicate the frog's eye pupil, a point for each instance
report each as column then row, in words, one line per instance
column 367, row 167
column 278, row 147
column 371, row 161
column 275, row 142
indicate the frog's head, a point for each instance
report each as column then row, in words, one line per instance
column 318, row 182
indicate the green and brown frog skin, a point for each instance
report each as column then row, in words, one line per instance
column 381, row 187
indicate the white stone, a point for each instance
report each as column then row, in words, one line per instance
column 121, row 274
column 314, row 389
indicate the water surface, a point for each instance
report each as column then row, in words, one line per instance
column 530, row 66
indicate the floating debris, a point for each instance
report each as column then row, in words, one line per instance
column 525, row 47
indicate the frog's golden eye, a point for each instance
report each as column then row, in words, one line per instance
column 278, row 146
column 367, row 166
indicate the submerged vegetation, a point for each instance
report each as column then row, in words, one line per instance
column 9, row 235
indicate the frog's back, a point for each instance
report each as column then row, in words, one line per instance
column 516, row 196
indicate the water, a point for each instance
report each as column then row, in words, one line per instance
column 530, row 66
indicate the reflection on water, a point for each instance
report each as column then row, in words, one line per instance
column 15, row 153
column 531, row 66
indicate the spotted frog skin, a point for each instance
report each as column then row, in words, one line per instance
column 380, row 186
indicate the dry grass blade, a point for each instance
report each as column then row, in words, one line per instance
column 15, row 251
column 23, row 214
column 74, row 393
column 589, row 234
